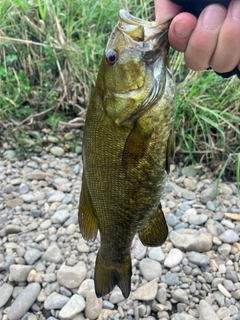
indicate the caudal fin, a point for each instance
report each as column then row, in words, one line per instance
column 108, row 274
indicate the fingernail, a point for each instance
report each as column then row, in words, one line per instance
column 213, row 17
column 236, row 10
column 182, row 30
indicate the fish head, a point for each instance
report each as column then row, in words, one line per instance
column 134, row 66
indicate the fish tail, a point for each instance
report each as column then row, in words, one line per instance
column 108, row 274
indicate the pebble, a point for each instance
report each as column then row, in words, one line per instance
column 156, row 254
column 223, row 290
column 229, row 236
column 180, row 295
column 57, row 151
column 150, row 269
column 173, row 258
column 199, row 259
column 32, row 255
column 116, row 296
column 72, row 308
column 55, row 301
column 86, row 286
column 19, row 272
column 206, row 312
column 53, row 254
column 71, row 277
column 191, row 240
column 93, row 306
column 197, row 219
column 147, row 291
column 60, row 216
column 208, row 194
column 170, row 279
column 24, row 301
column 5, row 293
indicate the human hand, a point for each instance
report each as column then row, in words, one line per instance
column 212, row 40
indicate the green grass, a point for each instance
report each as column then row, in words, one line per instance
column 49, row 57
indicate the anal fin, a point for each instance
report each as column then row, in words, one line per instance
column 87, row 221
column 155, row 233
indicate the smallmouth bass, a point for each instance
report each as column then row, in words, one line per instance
column 127, row 145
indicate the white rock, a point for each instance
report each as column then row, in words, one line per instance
column 174, row 258
column 206, row 312
column 73, row 307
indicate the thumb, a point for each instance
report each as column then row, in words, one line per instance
column 165, row 10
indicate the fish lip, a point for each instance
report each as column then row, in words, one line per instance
column 152, row 35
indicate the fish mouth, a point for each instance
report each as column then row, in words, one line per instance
column 139, row 29
column 152, row 41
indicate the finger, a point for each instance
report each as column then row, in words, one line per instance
column 227, row 53
column 165, row 10
column 181, row 29
column 203, row 40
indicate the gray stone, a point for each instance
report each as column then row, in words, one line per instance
column 19, row 272
column 53, row 254
column 180, row 295
column 162, row 295
column 150, row 269
column 174, row 258
column 11, row 228
column 232, row 275
column 199, row 259
column 60, row 216
column 171, row 219
column 206, row 312
column 9, row 260
column 116, row 296
column 208, row 194
column 107, row 305
column 46, row 224
column 32, row 255
column 188, row 195
column 55, row 301
column 24, row 301
column 156, row 254
column 71, row 277
column 170, row 279
column 191, row 240
column 93, row 306
column 73, row 307
column 229, row 236
column 57, row 196
column 5, row 294
column 197, row 219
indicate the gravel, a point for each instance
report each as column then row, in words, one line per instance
column 47, row 268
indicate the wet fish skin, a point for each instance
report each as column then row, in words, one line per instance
column 126, row 148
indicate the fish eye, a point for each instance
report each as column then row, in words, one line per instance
column 111, row 57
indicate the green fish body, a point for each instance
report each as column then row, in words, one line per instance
column 127, row 145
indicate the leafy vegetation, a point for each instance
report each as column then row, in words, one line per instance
column 49, row 56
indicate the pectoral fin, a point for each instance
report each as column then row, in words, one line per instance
column 156, row 231
column 135, row 147
column 87, row 221
column 170, row 150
